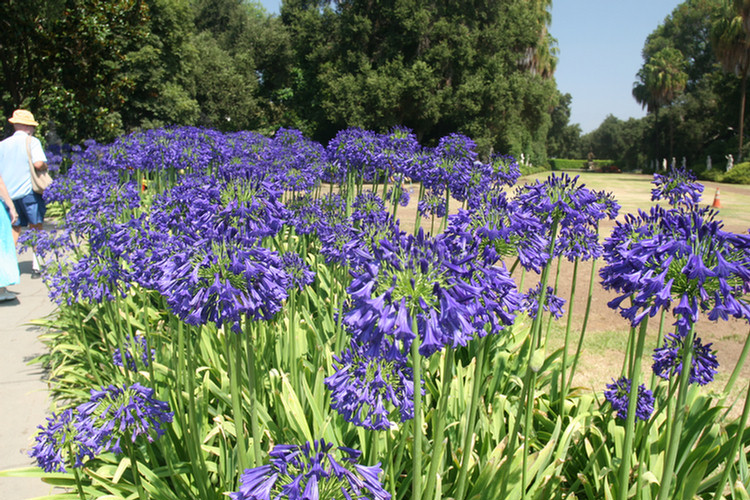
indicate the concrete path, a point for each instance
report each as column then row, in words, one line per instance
column 23, row 393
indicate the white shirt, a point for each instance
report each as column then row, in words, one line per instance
column 14, row 163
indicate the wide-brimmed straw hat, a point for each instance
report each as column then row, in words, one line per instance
column 23, row 117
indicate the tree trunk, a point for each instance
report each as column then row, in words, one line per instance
column 742, row 114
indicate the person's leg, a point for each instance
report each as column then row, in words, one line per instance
column 36, row 267
column 16, row 234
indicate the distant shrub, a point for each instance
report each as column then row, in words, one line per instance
column 528, row 170
column 567, row 164
column 740, row 174
column 563, row 164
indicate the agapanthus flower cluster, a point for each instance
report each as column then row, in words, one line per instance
column 576, row 210
column 666, row 256
column 223, row 282
column 98, row 426
column 128, row 411
column 451, row 295
column 310, row 472
column 134, row 349
column 300, row 274
column 668, row 360
column 502, row 228
column 66, row 440
column 678, row 187
column 295, row 161
column 552, row 302
column 618, row 393
column 369, row 383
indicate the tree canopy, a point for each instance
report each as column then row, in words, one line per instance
column 96, row 69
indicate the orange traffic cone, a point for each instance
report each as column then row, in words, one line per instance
column 717, row 200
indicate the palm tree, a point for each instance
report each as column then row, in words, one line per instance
column 661, row 79
column 731, row 42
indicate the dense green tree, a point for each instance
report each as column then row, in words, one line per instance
column 731, row 41
column 479, row 68
column 563, row 139
column 661, row 79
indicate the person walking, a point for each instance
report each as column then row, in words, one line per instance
column 15, row 154
column 9, row 274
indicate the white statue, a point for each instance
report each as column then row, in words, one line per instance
column 708, row 163
column 730, row 162
column 664, row 165
column 684, row 163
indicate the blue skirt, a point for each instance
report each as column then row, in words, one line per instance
column 9, row 274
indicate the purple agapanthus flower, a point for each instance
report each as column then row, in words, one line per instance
column 369, row 383
column 137, row 349
column 503, row 229
column 297, row 269
column 552, row 303
column 223, row 282
column 618, row 393
column 127, row 411
column 576, row 210
column 668, row 360
column 678, row 187
column 451, row 295
column 65, row 433
column 664, row 257
column 312, row 472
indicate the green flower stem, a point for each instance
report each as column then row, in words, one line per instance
column 416, row 493
column 252, row 386
column 659, row 338
column 293, row 341
column 736, row 442
column 527, row 392
column 564, row 371
column 418, row 217
column 736, row 372
column 121, row 338
column 444, row 222
column 482, row 349
column 635, row 378
column 389, row 458
column 385, row 183
column 627, row 362
column 145, row 302
column 579, row 348
column 679, row 417
column 234, row 365
column 192, row 417
column 76, row 472
column 439, row 425
column 551, row 316
column 180, row 386
column 142, row 495
column 84, row 340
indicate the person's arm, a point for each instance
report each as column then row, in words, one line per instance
column 37, row 153
column 5, row 196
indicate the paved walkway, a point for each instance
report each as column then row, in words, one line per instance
column 23, row 393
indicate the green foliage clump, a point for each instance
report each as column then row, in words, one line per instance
column 740, row 174
column 569, row 164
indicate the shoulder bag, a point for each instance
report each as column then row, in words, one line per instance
column 40, row 180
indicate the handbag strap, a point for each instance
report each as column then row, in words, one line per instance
column 28, row 154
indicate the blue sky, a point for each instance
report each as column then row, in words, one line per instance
column 600, row 43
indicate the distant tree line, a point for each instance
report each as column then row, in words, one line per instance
column 99, row 68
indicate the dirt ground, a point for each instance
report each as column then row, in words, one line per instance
column 607, row 332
